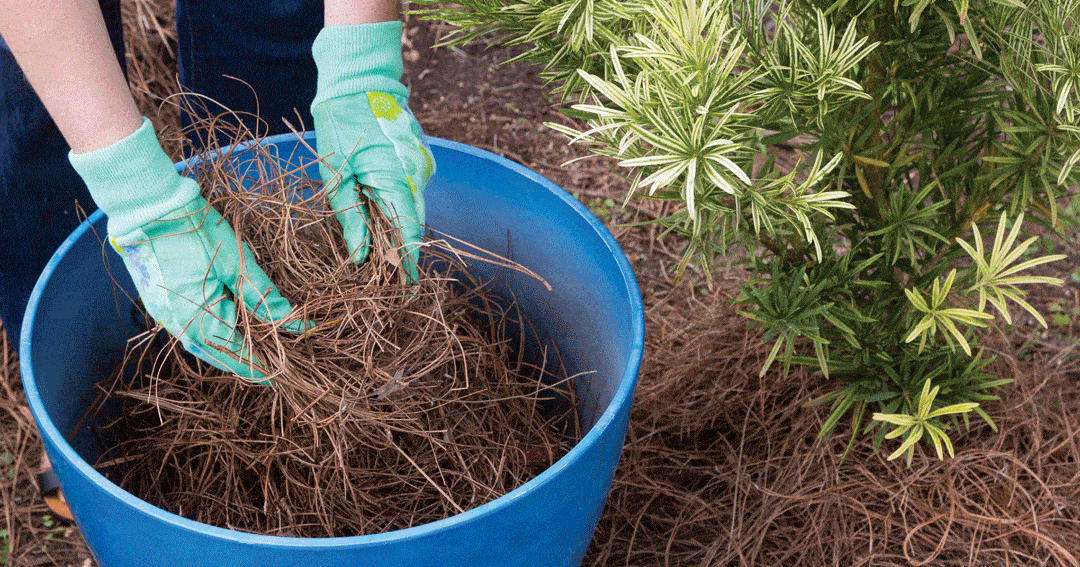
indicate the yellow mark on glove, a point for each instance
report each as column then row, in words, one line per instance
column 383, row 105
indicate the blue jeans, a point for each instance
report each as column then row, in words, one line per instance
column 265, row 43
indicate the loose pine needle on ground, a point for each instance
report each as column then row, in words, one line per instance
column 722, row 467
column 751, row 497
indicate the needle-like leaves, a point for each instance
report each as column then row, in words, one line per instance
column 924, row 422
column 938, row 317
column 997, row 277
column 851, row 148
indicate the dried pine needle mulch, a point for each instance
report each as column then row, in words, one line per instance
column 724, row 468
column 405, row 405
column 30, row 534
column 733, row 474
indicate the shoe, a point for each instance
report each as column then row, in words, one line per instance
column 49, row 488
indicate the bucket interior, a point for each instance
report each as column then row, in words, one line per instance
column 83, row 312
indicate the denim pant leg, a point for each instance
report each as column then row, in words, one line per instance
column 266, row 44
column 38, row 187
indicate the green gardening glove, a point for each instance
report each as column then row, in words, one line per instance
column 368, row 139
column 185, row 260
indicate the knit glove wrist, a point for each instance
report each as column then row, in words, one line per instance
column 132, row 181
column 357, row 59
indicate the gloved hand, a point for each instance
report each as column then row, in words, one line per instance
column 367, row 136
column 185, row 260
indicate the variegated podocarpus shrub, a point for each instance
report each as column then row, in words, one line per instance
column 933, row 134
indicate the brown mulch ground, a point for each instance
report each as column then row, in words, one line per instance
column 721, row 467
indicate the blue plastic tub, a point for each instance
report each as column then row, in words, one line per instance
column 76, row 325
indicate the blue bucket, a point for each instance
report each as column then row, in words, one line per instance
column 77, row 322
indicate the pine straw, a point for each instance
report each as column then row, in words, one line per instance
column 21, row 511
column 405, row 405
column 723, row 468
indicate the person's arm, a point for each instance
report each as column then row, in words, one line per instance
column 63, row 48
column 183, row 258
column 345, row 12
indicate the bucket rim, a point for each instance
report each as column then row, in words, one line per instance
column 621, row 400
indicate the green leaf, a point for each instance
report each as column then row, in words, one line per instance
column 578, row 114
column 779, row 138
column 973, row 38
column 914, row 435
column 844, row 401
column 772, row 356
column 936, row 437
column 996, row 278
column 953, row 409
column 916, row 13
column 895, row 419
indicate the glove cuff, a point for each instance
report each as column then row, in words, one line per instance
column 359, row 58
column 132, row 180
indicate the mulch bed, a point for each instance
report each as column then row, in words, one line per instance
column 722, row 467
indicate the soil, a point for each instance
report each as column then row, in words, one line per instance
column 753, row 486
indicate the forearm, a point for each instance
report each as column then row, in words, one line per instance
column 63, row 48
column 345, row 12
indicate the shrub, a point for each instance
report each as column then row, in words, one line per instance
column 925, row 126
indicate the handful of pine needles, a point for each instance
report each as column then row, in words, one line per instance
column 406, row 404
